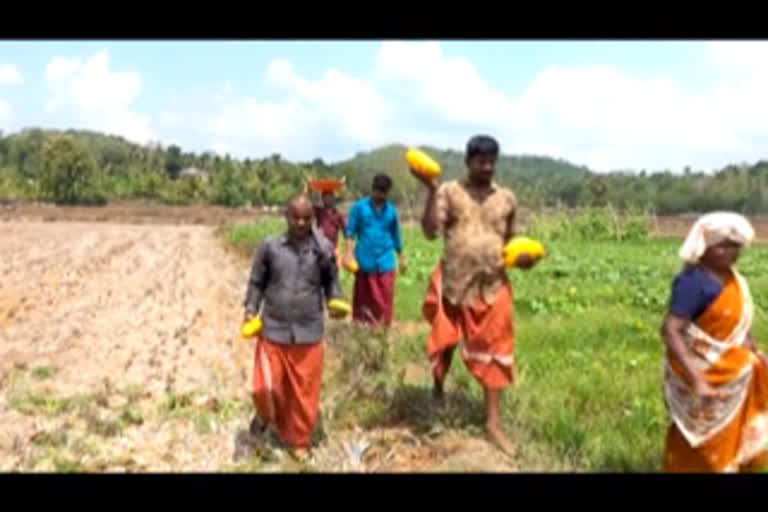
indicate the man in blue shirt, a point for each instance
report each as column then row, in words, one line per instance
column 373, row 236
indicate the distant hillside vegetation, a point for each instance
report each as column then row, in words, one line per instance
column 78, row 166
column 511, row 170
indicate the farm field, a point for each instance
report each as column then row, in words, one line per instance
column 119, row 352
column 588, row 349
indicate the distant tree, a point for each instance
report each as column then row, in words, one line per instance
column 319, row 165
column 173, row 161
column 69, row 173
column 598, row 190
column 228, row 189
column 279, row 194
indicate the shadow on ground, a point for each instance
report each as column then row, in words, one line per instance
column 412, row 406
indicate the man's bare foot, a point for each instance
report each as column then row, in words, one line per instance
column 497, row 437
column 299, row 454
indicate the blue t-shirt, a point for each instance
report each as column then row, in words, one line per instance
column 377, row 234
column 693, row 290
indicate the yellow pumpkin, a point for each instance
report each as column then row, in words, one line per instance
column 519, row 245
column 251, row 328
column 422, row 163
column 351, row 267
column 339, row 308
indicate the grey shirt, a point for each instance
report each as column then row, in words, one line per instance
column 293, row 284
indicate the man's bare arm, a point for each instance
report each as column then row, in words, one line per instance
column 430, row 222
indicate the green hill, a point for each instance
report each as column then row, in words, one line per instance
column 515, row 171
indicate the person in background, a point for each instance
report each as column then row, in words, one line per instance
column 373, row 236
column 293, row 276
column 330, row 221
column 469, row 295
column 715, row 377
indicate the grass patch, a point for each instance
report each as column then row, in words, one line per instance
column 48, row 404
column 86, row 406
column 174, row 402
column 53, row 439
column 84, row 446
column 204, row 416
column 64, row 465
column 102, row 427
column 44, row 372
column 133, row 393
column 131, row 416
column 251, row 465
column 246, row 237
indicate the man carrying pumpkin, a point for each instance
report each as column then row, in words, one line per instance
column 469, row 295
column 292, row 276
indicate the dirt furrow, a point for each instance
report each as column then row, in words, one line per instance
column 105, row 308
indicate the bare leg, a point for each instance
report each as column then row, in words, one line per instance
column 437, row 392
column 492, row 426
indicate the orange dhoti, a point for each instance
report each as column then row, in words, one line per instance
column 725, row 434
column 287, row 382
column 486, row 330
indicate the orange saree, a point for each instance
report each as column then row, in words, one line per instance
column 729, row 433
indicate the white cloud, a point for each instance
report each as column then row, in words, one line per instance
column 598, row 116
column 97, row 97
column 61, row 67
column 740, row 56
column 451, row 86
column 310, row 119
column 355, row 104
column 10, row 75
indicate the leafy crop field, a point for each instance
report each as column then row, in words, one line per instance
column 589, row 353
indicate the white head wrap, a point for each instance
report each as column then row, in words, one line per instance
column 713, row 228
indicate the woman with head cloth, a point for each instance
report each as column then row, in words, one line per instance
column 715, row 378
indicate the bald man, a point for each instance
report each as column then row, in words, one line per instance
column 294, row 274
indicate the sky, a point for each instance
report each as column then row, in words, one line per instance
column 609, row 105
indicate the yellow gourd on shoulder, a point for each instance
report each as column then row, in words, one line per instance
column 339, row 308
column 519, row 245
column 422, row 163
column 251, row 328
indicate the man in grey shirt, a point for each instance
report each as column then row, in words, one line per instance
column 293, row 276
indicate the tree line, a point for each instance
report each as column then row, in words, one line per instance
column 83, row 167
